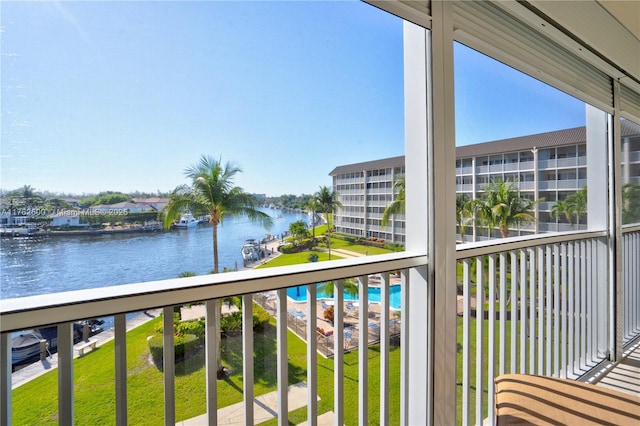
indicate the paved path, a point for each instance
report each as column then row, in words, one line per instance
column 346, row 254
column 265, row 407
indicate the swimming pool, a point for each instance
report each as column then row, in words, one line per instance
column 299, row 294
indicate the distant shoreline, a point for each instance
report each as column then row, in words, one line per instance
column 29, row 233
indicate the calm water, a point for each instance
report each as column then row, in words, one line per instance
column 71, row 263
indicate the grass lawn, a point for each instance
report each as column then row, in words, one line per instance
column 95, row 382
column 297, row 258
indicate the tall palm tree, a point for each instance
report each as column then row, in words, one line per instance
column 313, row 207
column 578, row 204
column 398, row 204
column 573, row 207
column 212, row 191
column 502, row 207
column 560, row 208
column 348, row 285
column 464, row 214
column 328, row 203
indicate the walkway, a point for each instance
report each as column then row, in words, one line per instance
column 345, row 254
column 265, row 407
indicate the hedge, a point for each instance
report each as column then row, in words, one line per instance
column 183, row 345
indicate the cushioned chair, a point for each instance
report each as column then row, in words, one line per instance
column 523, row 399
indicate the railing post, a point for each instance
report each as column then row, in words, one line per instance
column 312, row 356
column 363, row 355
column 283, row 365
column 65, row 373
column 120, row 325
column 212, row 342
column 384, row 349
column 615, row 228
column 169, row 366
column 338, row 354
column 247, row 358
column 5, row 379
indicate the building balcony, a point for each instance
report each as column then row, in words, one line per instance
column 549, row 317
column 464, row 187
column 634, row 157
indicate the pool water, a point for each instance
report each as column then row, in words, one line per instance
column 299, row 294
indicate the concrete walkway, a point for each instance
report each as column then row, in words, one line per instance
column 265, row 407
column 345, row 254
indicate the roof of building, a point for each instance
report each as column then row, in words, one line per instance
column 153, row 200
column 369, row 165
column 521, row 143
column 540, row 140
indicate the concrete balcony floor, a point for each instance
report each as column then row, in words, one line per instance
column 624, row 376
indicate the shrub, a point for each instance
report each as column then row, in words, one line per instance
column 328, row 314
column 195, row 327
column 231, row 323
column 260, row 318
column 288, row 249
column 183, row 345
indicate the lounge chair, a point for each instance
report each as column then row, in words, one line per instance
column 536, row 400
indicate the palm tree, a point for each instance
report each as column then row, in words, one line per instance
column 502, row 207
column 577, row 204
column 464, row 214
column 312, row 205
column 573, row 207
column 397, row 205
column 327, row 202
column 630, row 203
column 212, row 191
column 560, row 208
column 348, row 286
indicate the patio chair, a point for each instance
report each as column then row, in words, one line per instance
column 536, row 400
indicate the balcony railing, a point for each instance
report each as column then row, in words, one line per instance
column 536, row 305
column 631, row 281
column 33, row 312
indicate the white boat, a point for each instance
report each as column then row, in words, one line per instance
column 186, row 221
column 251, row 251
column 25, row 347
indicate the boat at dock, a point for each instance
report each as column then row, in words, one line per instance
column 186, row 221
column 26, row 346
column 251, row 251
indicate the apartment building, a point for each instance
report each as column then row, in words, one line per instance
column 365, row 190
column 547, row 167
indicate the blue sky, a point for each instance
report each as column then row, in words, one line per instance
column 124, row 96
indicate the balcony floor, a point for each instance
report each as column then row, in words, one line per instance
column 625, row 377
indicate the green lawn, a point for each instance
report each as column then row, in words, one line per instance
column 297, row 258
column 95, row 383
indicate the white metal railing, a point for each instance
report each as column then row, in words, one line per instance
column 65, row 308
column 530, row 305
column 631, row 281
